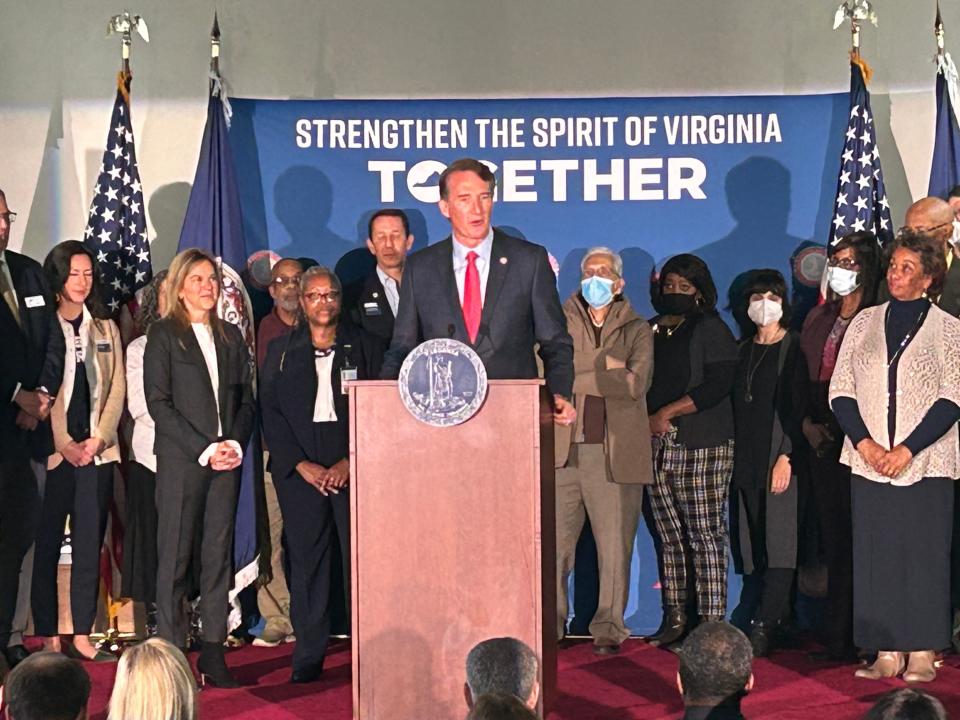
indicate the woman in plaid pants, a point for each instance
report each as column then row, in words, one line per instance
column 691, row 420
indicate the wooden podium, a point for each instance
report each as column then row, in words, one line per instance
column 453, row 542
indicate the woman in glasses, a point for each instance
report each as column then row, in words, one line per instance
column 853, row 273
column 197, row 379
column 306, row 425
column 896, row 393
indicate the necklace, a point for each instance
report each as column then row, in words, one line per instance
column 669, row 330
column 906, row 338
column 752, row 370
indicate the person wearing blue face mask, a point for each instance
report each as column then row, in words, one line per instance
column 603, row 460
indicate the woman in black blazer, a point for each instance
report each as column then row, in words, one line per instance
column 197, row 377
column 306, row 424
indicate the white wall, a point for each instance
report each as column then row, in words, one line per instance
column 57, row 75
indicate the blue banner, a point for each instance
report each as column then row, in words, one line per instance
column 743, row 182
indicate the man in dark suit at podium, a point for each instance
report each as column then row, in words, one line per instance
column 31, row 369
column 482, row 287
column 372, row 301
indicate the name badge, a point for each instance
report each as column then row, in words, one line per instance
column 103, row 347
column 372, row 308
column 347, row 374
column 34, row 301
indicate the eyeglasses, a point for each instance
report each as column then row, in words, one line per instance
column 845, row 263
column 923, row 230
column 328, row 297
column 10, row 217
column 286, row 281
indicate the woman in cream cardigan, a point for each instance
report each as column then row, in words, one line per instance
column 896, row 394
column 84, row 418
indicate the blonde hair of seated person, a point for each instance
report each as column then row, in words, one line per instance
column 154, row 682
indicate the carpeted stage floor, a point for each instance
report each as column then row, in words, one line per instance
column 638, row 684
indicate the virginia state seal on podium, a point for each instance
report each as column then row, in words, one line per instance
column 443, row 382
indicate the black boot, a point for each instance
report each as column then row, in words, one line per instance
column 673, row 627
column 762, row 636
column 212, row 667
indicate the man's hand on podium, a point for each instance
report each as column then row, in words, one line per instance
column 564, row 413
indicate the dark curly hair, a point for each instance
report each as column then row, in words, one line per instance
column 930, row 252
column 56, row 270
column 694, row 271
column 761, row 281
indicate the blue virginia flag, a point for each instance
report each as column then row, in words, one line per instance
column 213, row 222
column 945, row 169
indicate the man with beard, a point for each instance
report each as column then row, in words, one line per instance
column 273, row 599
column 372, row 302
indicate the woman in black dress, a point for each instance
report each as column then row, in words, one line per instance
column 768, row 397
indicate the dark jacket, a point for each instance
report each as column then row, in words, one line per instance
column 521, row 309
column 180, row 396
column 32, row 354
column 365, row 302
column 288, row 390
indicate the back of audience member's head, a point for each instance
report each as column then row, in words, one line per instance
column 715, row 665
column 47, row 686
column 500, row 706
column 502, row 665
column 153, row 682
column 907, row 704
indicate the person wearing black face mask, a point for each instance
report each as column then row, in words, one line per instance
column 691, row 421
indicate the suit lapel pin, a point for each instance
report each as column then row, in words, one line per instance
column 503, row 261
column 376, row 295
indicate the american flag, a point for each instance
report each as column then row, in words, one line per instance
column 116, row 227
column 861, row 202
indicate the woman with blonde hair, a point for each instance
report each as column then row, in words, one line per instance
column 197, row 379
column 153, row 682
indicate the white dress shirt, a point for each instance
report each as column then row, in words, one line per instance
column 323, row 409
column 483, row 251
column 141, row 445
column 390, row 289
column 208, row 347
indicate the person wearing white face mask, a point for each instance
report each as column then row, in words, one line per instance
column 769, row 392
column 853, row 274
column 604, row 459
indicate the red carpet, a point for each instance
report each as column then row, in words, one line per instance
column 637, row 685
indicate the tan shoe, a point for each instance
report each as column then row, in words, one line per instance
column 920, row 668
column 887, row 665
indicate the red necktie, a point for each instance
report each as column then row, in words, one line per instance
column 472, row 305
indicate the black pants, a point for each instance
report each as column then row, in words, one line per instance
column 83, row 495
column 830, row 482
column 775, row 583
column 194, row 501
column 309, row 523
column 19, row 513
column 140, row 535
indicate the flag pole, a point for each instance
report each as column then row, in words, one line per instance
column 215, row 46
column 123, row 25
column 938, row 32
